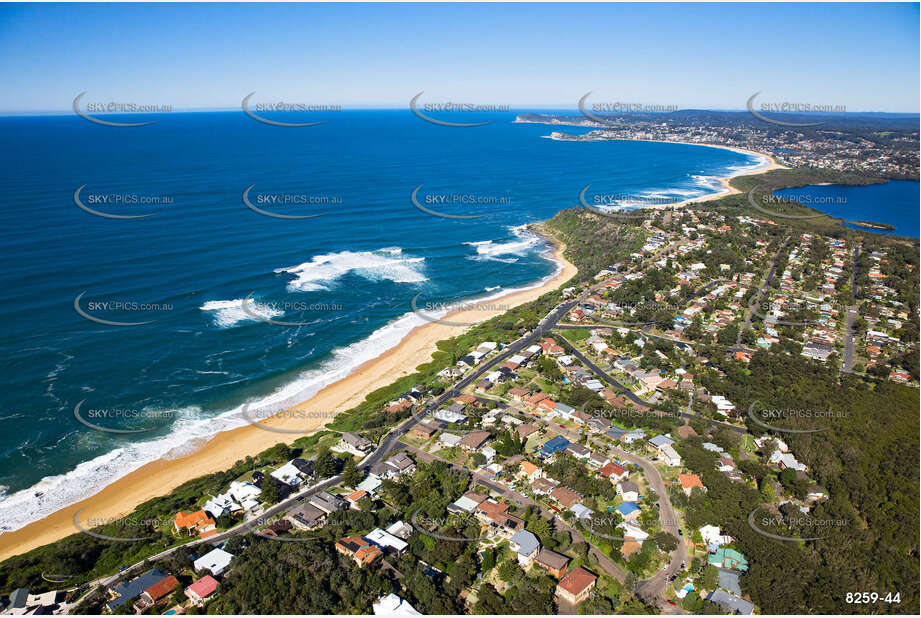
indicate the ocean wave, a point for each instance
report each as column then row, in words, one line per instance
column 190, row 430
column 324, row 270
column 229, row 313
column 524, row 241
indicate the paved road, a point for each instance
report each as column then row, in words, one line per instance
column 651, row 590
column 757, row 298
column 847, row 362
column 632, row 396
column 605, row 563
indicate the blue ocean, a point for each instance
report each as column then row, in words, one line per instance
column 324, row 291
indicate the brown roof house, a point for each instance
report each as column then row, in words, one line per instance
column 552, row 562
column 565, row 496
column 576, row 586
column 474, row 440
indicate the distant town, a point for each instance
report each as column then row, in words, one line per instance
column 882, row 148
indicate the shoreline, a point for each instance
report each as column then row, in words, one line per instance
column 769, row 164
column 222, row 450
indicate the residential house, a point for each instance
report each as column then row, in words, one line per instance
column 392, row 605
column 362, row 551
column 728, row 558
column 355, row 444
column 474, row 440
column 327, row 502
column 629, row 491
column 526, row 546
column 528, row 471
column 552, row 562
column 576, row 586
column 731, row 603
column 578, row 451
column 424, row 430
column 628, row 510
column 711, row 536
column 120, row 593
column 202, row 590
column 197, row 523
column 565, row 496
column 689, row 482
column 217, row 560
column 156, row 595
column 614, row 472
column 306, row 517
column 670, row 456
column 387, row 541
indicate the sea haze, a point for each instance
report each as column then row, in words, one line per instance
column 346, row 278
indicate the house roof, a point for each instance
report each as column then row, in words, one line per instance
column 627, row 507
column 611, row 469
column 187, row 520
column 526, row 541
column 129, row 590
column 565, row 496
column 731, row 602
column 577, row 581
column 162, row 588
column 629, row 548
column 475, row 439
column 528, row 468
column 689, row 481
column 203, row 587
column 551, row 559
column 526, row 430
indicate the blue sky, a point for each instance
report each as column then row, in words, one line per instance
column 862, row 56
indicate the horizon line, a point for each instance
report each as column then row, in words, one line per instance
column 391, row 107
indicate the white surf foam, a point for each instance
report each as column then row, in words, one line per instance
column 322, row 271
column 229, row 313
column 191, row 429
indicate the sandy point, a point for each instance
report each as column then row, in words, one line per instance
column 159, row 477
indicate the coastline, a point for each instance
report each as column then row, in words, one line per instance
column 222, row 450
column 769, row 164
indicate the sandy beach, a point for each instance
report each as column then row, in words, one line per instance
column 223, row 450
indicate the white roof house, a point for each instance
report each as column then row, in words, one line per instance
column 385, row 539
column 670, row 455
column 449, row 439
column 288, row 474
column 392, row 605
column 216, row 561
column 711, row 536
column 637, row 534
